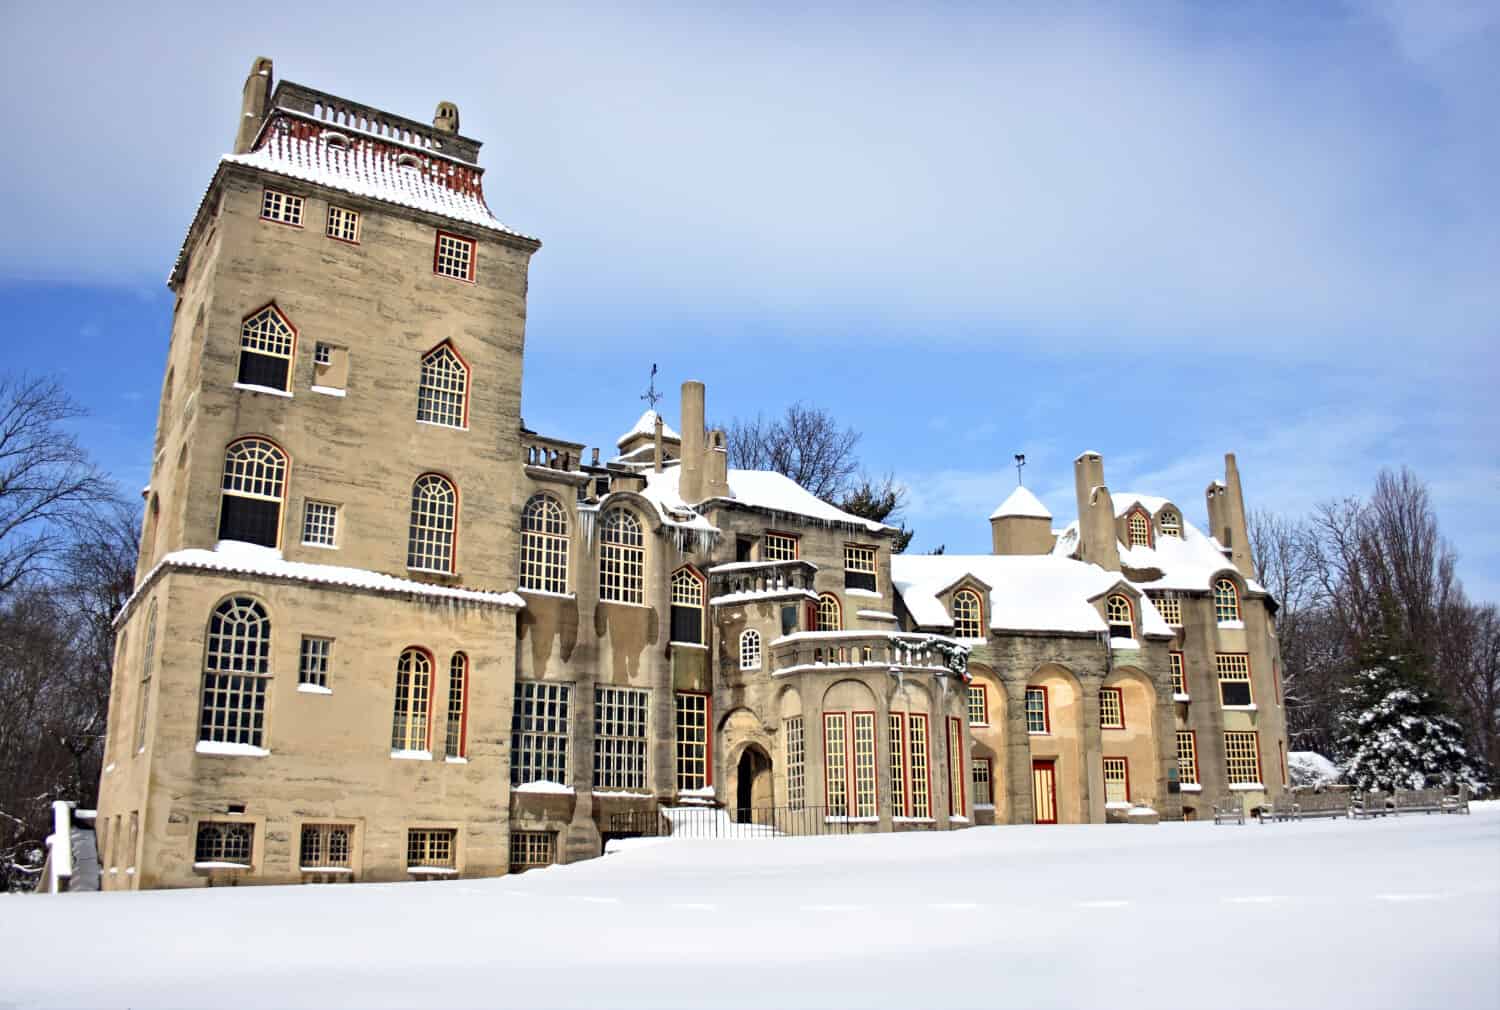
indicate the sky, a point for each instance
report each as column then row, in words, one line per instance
column 1157, row 231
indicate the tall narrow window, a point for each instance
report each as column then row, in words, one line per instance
column 1139, row 529
column 1116, row 780
column 236, row 671
column 144, row 702
column 1111, row 708
column 979, row 705
column 968, row 620
column 957, row 802
column 864, row 764
column 544, row 545
column 266, row 343
column 1234, row 679
column 454, row 257
column 897, row 726
column 1169, row 605
column 434, row 517
column 692, row 741
column 920, row 774
column 836, row 762
column 830, row 614
column 1187, row 757
column 796, row 763
column 687, row 607
column 409, row 733
column 1242, row 758
column 984, row 787
column 1226, row 601
column 253, row 489
column 1171, row 524
column 539, row 733
column 620, row 737
column 456, row 743
column 443, row 393
column 622, row 558
column 1179, row 673
column 778, row 547
column 1117, row 613
column 1036, row 710
column 312, row 666
column 859, row 567
column 750, row 650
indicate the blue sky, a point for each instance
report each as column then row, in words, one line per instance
column 1161, row 232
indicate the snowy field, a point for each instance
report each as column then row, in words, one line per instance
column 1390, row 913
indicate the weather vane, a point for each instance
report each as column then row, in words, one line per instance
column 1020, row 462
column 651, row 395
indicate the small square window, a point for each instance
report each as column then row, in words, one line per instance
column 454, row 257
column 778, row 547
column 313, row 667
column 429, row 849
column 281, row 207
column 343, row 224
column 1112, row 708
column 859, row 567
column 529, row 849
column 326, row 847
column 322, row 353
column 320, row 522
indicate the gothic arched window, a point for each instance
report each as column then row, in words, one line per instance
column 443, row 395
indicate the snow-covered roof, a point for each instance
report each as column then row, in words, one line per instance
column 646, row 425
column 1022, row 504
column 1190, row 562
column 761, row 489
column 248, row 559
column 296, row 145
column 1041, row 592
column 1127, row 500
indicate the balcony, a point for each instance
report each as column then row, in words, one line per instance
column 896, row 651
column 751, row 581
column 545, row 453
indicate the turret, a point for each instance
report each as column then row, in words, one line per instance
column 253, row 104
column 1097, row 542
column 1021, row 525
column 1226, row 517
column 716, row 481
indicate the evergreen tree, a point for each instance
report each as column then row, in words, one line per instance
column 1395, row 734
column 882, row 502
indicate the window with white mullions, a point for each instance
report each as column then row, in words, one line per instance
column 1116, row 780
column 236, row 671
column 320, row 523
column 1234, row 679
column 620, row 737
column 1036, row 710
column 687, row 607
column 796, row 763
column 968, row 621
column 1139, row 529
column 859, row 567
column 830, row 614
column 984, row 790
column 409, row 723
column 443, row 389
column 283, row 208
column 979, row 705
column 544, row 545
column 750, row 650
column 539, row 733
column 778, row 547
column 343, row 223
column 434, row 518
column 224, row 842
column 1171, row 524
column 454, row 257
column 312, row 666
column 1226, row 601
column 622, row 558
column 252, row 492
column 1120, row 616
column 456, row 741
column 1179, row 673
column 1187, row 757
column 1242, row 757
column 266, row 344
column 1112, row 708
column 530, row 849
column 692, row 741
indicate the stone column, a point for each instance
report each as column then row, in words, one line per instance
column 1091, row 750
column 1018, row 790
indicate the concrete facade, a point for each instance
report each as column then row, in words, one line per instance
column 466, row 719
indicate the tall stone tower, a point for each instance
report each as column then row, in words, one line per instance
column 326, row 566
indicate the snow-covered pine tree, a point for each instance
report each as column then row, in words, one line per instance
column 1395, row 733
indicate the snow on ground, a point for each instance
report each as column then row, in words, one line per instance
column 1388, row 913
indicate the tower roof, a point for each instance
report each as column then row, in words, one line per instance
column 1021, row 504
column 646, row 425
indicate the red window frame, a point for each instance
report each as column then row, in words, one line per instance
column 851, row 787
column 1125, row 763
column 437, row 245
column 463, row 722
column 1046, row 711
column 955, row 773
column 1197, row 769
column 990, row 776
column 457, row 514
column 1119, row 694
column 468, row 372
column 1150, row 527
column 984, row 695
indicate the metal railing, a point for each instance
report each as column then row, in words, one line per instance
column 746, row 822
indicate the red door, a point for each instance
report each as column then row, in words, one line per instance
column 1044, row 791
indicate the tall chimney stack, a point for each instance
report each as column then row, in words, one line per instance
column 254, row 102
column 691, row 483
column 1097, row 542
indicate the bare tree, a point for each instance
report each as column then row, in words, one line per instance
column 47, row 483
column 806, row 444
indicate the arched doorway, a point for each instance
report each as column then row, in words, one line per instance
column 753, row 784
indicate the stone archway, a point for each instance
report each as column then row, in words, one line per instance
column 753, row 784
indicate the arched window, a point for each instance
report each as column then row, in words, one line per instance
column 457, row 742
column 413, row 695
column 236, row 671
column 622, row 558
column 1226, row 601
column 266, row 343
column 968, row 619
column 1171, row 524
column 1120, row 617
column 443, row 395
column 830, row 614
column 253, row 489
column 434, row 516
column 1139, row 528
column 544, row 545
column 144, row 702
column 687, row 606
column 750, row 650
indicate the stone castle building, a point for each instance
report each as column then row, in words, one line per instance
column 381, row 630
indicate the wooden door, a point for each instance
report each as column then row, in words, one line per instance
column 1044, row 791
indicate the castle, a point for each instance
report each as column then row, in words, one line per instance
column 382, row 631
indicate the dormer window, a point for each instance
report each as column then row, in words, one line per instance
column 968, row 617
column 1138, row 529
column 1226, row 601
column 1171, row 524
column 1120, row 616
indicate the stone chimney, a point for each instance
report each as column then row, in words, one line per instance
column 716, row 465
column 254, row 102
column 445, row 119
column 1226, row 517
column 690, row 485
column 1021, row 525
column 1097, row 541
column 656, row 448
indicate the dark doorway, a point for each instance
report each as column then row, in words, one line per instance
column 752, row 785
